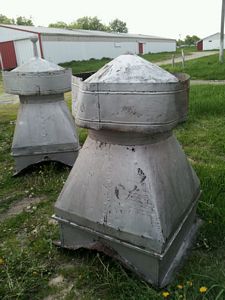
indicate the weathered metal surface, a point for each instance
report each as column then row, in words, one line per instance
column 32, row 83
column 45, row 129
column 37, row 77
column 108, row 99
column 132, row 188
column 157, row 269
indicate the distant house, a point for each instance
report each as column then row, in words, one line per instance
column 63, row 45
column 210, row 42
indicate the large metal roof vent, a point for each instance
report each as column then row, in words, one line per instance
column 45, row 128
column 129, row 76
column 132, row 192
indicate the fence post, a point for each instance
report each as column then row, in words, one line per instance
column 173, row 60
column 183, row 58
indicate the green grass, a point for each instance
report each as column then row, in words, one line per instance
column 156, row 57
column 81, row 66
column 93, row 65
column 29, row 260
column 207, row 68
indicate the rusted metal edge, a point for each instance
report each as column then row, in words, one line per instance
column 98, row 246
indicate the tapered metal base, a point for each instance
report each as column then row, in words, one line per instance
column 137, row 199
column 45, row 131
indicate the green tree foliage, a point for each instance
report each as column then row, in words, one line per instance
column 92, row 23
column 6, row 20
column 19, row 20
column 118, row 26
column 188, row 41
column 191, row 40
column 58, row 24
column 180, row 42
column 24, row 21
column 88, row 23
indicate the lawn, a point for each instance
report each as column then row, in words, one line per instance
column 207, row 68
column 93, row 65
column 156, row 57
column 31, row 267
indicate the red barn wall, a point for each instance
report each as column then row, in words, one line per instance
column 8, row 55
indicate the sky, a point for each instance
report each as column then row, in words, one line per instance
column 171, row 19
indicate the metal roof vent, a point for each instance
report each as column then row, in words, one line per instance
column 132, row 192
column 128, row 76
column 45, row 128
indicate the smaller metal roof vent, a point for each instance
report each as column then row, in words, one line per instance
column 45, row 129
column 148, row 98
column 37, row 76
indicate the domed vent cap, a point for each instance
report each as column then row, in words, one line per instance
column 130, row 68
column 37, row 64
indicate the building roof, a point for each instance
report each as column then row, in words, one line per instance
column 80, row 32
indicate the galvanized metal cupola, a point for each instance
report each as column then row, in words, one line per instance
column 45, row 128
column 132, row 192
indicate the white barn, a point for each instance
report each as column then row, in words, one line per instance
column 63, row 45
column 210, row 42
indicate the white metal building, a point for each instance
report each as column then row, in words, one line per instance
column 62, row 45
column 210, row 42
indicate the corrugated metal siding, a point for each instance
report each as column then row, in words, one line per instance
column 64, row 51
column 161, row 46
column 8, row 55
column 211, row 44
column 24, row 51
column 59, row 52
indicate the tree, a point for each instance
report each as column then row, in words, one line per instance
column 19, row 20
column 180, row 42
column 88, row 23
column 6, row 20
column 92, row 23
column 118, row 26
column 58, row 24
column 191, row 40
column 24, row 21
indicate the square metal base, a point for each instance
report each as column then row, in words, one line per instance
column 155, row 268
